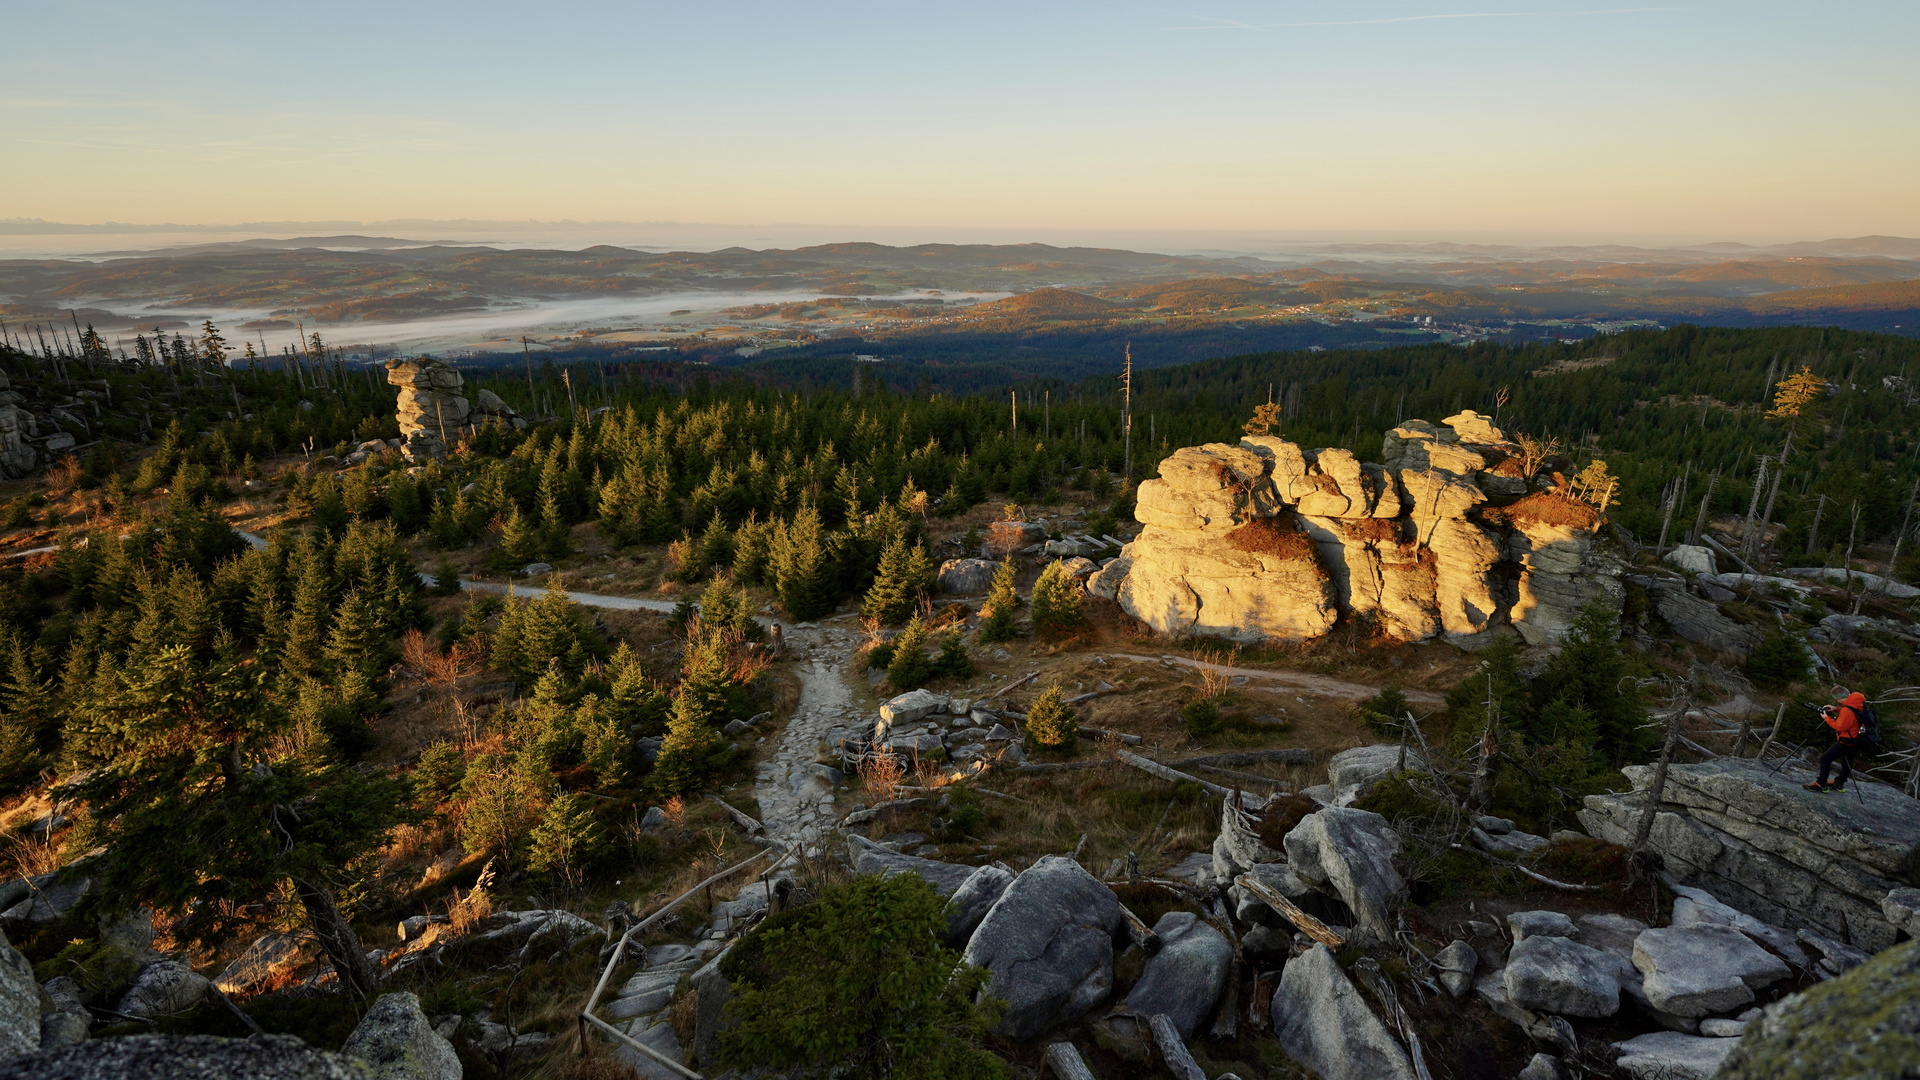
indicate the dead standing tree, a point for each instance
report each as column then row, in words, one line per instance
column 1681, row 694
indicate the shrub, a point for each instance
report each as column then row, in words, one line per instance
column 1050, row 722
column 910, row 667
column 953, row 661
column 1201, row 717
column 857, row 985
column 1384, row 712
column 568, row 841
column 442, row 766
column 1056, row 600
column 1003, row 597
column 1778, row 659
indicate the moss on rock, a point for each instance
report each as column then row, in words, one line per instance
column 1865, row 1023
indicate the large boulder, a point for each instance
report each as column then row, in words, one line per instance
column 163, row 988
column 1670, row 1055
column 1701, row 970
column 1789, row 857
column 1352, row 773
column 395, row 1041
column 1184, row 979
column 870, row 858
column 1691, row 559
column 1698, row 907
column 1865, row 1023
column 972, row 900
column 184, row 1057
column 1322, row 1022
column 912, row 707
column 1106, row 582
column 64, row 1017
column 1047, row 945
column 19, row 1003
column 967, row 577
column 1351, row 851
column 47, row 897
column 1192, row 581
column 1555, row 975
column 1564, row 571
column 1698, row 620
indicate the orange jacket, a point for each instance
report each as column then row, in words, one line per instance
column 1845, row 721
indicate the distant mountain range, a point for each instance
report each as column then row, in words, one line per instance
column 349, row 278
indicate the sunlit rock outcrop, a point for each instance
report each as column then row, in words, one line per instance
column 1447, row 538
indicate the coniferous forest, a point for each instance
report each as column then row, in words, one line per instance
column 213, row 698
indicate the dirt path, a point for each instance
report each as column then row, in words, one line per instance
column 795, row 793
column 1298, row 680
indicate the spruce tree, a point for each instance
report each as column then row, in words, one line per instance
column 1003, row 597
column 567, row 841
column 803, row 567
column 307, row 623
column 692, row 750
column 894, row 596
column 357, row 641
column 1050, row 722
column 520, row 541
column 1056, row 600
column 187, row 758
column 910, row 668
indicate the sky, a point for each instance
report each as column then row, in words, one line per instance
column 1745, row 120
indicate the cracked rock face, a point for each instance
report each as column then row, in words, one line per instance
column 1760, row 844
column 1048, row 944
column 1268, row 541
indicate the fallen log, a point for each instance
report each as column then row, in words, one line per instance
column 1140, row 932
column 1060, row 766
column 1541, row 878
column 738, row 817
column 1021, row 681
column 1164, row 772
column 1174, row 1052
column 1308, row 925
column 1252, row 778
column 1290, row 755
column 1100, row 733
column 1066, row 1062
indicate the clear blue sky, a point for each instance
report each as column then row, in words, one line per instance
column 1701, row 120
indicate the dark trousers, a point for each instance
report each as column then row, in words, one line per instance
column 1842, row 752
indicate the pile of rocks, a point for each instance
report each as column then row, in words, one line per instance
column 927, row 726
column 432, row 410
column 1266, row 540
column 1816, row 862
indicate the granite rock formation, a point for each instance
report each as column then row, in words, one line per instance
column 433, row 410
column 1265, row 540
column 1765, row 846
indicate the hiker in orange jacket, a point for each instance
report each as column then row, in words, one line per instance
column 1844, row 719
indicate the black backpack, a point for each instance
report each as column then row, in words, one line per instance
column 1869, row 727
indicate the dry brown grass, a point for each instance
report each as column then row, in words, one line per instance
column 881, row 775
column 1274, row 536
column 32, row 856
column 596, row 1066
column 1546, row 508
column 1376, row 530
